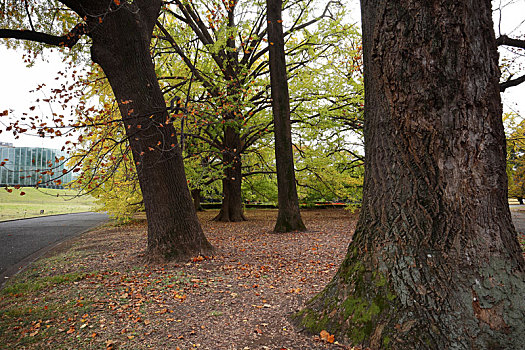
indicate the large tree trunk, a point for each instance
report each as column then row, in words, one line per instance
column 231, row 208
column 435, row 262
column 121, row 47
column 289, row 216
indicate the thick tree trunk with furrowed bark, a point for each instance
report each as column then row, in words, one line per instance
column 289, row 216
column 121, row 47
column 435, row 262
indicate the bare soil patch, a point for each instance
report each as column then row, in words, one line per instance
column 100, row 294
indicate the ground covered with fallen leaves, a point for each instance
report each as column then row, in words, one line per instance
column 98, row 293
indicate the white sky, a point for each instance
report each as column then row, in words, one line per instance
column 16, row 80
column 510, row 20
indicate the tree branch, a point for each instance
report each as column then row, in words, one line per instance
column 296, row 27
column 505, row 40
column 68, row 40
column 258, row 172
column 26, row 5
column 199, row 28
column 510, row 83
column 187, row 61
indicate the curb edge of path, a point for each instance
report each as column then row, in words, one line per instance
column 14, row 270
column 46, row 216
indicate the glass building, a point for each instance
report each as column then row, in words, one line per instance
column 29, row 167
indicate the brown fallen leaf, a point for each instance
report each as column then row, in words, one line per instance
column 327, row 336
column 111, row 345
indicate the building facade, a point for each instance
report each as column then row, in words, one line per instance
column 29, row 167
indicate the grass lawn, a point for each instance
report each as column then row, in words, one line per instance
column 15, row 206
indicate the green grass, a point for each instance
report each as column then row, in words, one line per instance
column 41, row 283
column 15, row 206
column 36, row 307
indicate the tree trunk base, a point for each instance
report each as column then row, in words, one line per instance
column 361, row 306
column 162, row 254
column 291, row 224
column 229, row 217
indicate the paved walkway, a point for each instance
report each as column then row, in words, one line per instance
column 518, row 217
column 22, row 241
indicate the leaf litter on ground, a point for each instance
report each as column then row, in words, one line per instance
column 240, row 298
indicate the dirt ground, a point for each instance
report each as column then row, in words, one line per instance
column 100, row 294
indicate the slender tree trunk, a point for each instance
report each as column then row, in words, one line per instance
column 289, row 216
column 231, row 209
column 435, row 262
column 196, row 195
column 121, row 47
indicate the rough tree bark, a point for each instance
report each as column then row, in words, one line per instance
column 289, row 216
column 435, row 262
column 121, row 37
column 121, row 48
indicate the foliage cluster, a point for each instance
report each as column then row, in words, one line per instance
column 220, row 83
column 515, row 129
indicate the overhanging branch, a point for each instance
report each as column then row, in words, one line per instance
column 505, row 40
column 511, row 83
column 68, row 40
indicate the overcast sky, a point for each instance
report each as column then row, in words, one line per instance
column 17, row 79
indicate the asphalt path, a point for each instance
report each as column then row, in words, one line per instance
column 22, row 241
column 518, row 217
